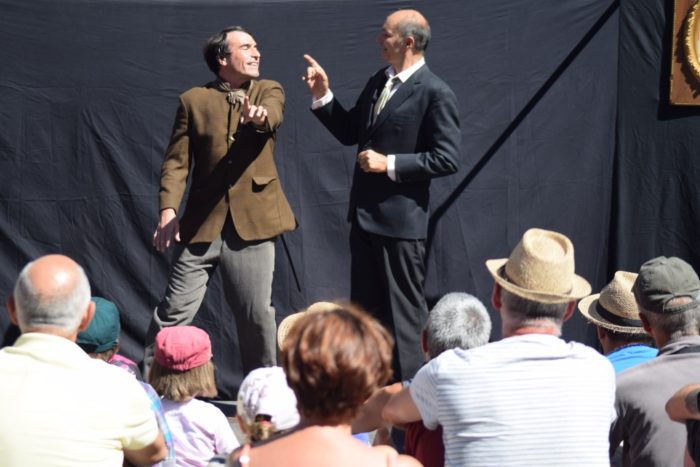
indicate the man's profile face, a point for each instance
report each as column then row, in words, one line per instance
column 243, row 61
column 390, row 41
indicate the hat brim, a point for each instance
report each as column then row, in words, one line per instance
column 285, row 326
column 588, row 307
column 580, row 287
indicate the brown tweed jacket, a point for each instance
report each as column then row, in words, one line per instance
column 231, row 165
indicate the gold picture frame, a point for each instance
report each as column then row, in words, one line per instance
column 685, row 61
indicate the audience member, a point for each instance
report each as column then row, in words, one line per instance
column 667, row 292
column 182, row 370
column 458, row 320
column 682, row 407
column 286, row 325
column 60, row 407
column 333, row 362
column 266, row 404
column 101, row 341
column 620, row 332
column 530, row 398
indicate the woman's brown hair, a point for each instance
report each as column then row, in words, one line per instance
column 334, row 360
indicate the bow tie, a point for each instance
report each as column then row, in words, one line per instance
column 235, row 96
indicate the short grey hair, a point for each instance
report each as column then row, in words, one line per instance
column 678, row 324
column 62, row 309
column 458, row 320
column 530, row 310
column 412, row 27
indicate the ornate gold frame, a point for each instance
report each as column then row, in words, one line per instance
column 685, row 61
column 692, row 36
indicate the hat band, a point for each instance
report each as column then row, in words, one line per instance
column 615, row 319
column 504, row 275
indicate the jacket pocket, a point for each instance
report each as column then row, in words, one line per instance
column 261, row 181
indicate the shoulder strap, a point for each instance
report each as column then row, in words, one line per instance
column 244, row 456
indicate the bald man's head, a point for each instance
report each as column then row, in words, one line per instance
column 51, row 292
column 410, row 23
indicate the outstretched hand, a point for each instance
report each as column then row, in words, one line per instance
column 255, row 114
column 315, row 78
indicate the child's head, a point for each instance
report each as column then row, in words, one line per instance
column 266, row 404
column 101, row 338
column 182, row 368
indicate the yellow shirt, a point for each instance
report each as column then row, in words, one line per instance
column 61, row 408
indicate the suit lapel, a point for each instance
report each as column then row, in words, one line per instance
column 405, row 91
column 368, row 105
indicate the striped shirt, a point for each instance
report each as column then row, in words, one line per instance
column 530, row 400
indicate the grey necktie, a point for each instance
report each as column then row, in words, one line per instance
column 383, row 97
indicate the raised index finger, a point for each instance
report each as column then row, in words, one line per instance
column 246, row 104
column 309, row 59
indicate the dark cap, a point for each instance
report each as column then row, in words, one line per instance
column 662, row 279
column 103, row 332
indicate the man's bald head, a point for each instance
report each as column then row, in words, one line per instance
column 51, row 292
column 410, row 23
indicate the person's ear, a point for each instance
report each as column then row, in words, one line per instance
column 496, row 296
column 570, row 307
column 646, row 324
column 409, row 42
column 600, row 333
column 12, row 310
column 87, row 317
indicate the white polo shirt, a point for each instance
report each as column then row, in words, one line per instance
column 530, row 400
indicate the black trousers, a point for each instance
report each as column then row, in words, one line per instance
column 387, row 278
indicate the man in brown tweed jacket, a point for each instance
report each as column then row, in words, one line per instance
column 223, row 139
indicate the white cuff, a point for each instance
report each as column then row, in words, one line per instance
column 315, row 104
column 391, row 166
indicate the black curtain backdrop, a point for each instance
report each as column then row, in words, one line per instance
column 88, row 92
column 657, row 166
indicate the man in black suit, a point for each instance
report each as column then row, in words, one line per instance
column 406, row 126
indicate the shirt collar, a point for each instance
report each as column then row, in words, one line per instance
column 405, row 74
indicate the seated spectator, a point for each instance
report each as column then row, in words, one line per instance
column 682, row 407
column 101, row 341
column 266, row 405
column 531, row 398
column 60, row 407
column 615, row 315
column 289, row 321
column 458, row 320
column 667, row 292
column 182, row 370
column 101, row 338
column 333, row 362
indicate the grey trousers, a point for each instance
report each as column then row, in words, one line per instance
column 246, row 269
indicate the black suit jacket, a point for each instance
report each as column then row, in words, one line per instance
column 420, row 125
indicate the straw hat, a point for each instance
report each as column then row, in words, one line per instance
column 541, row 269
column 287, row 323
column 614, row 307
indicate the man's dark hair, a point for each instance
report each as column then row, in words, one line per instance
column 217, row 47
column 627, row 337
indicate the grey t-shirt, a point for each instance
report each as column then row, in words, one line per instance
column 650, row 437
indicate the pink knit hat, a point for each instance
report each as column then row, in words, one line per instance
column 182, row 348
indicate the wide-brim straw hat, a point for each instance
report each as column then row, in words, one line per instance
column 287, row 323
column 541, row 269
column 614, row 308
